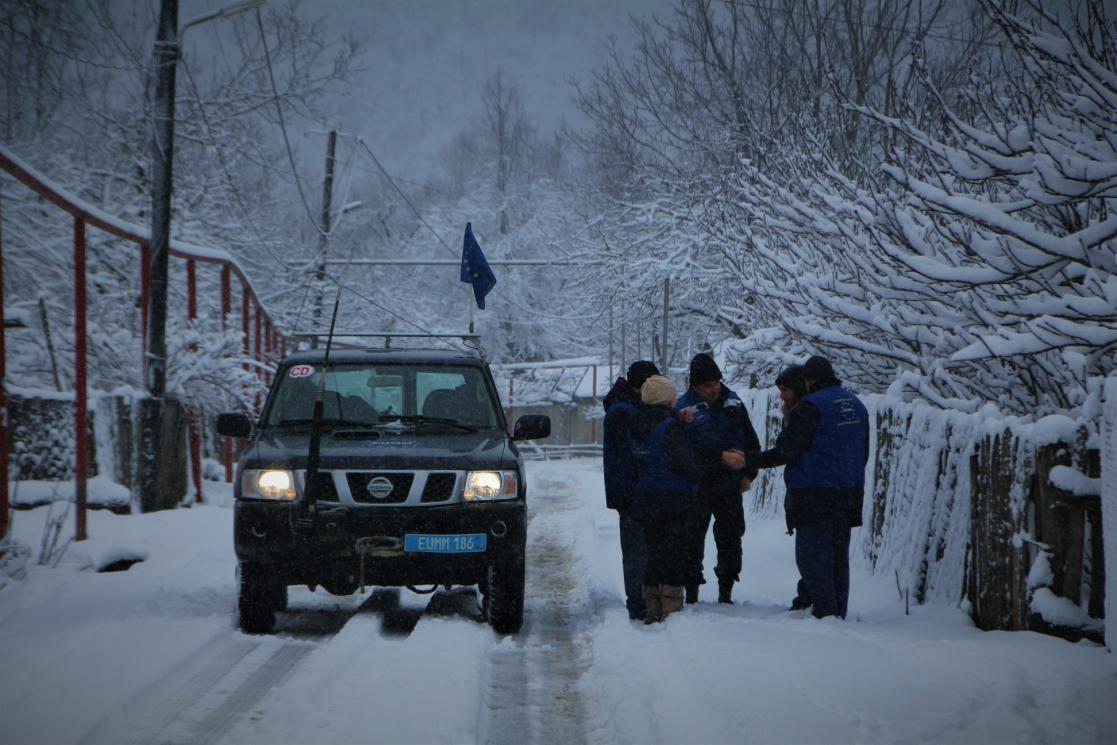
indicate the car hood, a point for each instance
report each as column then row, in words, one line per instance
column 402, row 449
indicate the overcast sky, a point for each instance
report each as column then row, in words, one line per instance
column 426, row 62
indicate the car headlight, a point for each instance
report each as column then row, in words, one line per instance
column 490, row 485
column 270, row 483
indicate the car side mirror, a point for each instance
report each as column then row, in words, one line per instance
column 234, row 425
column 532, row 427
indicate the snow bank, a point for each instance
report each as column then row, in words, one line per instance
column 1074, row 481
column 917, row 498
column 101, row 491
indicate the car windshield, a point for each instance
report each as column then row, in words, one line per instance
column 369, row 395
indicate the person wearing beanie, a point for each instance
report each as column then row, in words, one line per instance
column 792, row 386
column 703, row 369
column 666, row 485
column 619, row 466
column 721, row 430
column 824, row 448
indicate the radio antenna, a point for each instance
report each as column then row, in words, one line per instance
column 310, row 492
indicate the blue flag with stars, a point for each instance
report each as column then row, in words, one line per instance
column 475, row 270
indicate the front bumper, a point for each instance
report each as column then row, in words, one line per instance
column 324, row 551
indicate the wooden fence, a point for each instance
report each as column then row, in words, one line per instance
column 961, row 508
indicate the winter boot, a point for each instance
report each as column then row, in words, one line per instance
column 691, row 594
column 673, row 596
column 653, row 604
column 725, row 591
column 802, row 599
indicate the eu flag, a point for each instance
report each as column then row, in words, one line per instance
column 475, row 270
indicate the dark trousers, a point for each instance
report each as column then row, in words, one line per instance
column 634, row 560
column 726, row 508
column 822, row 554
column 666, row 534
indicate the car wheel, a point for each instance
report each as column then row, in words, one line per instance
column 256, row 602
column 504, row 596
column 279, row 596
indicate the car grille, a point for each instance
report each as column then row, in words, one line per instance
column 326, row 489
column 439, row 488
column 359, row 483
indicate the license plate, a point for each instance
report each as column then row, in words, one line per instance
column 467, row 543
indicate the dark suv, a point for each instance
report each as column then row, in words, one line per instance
column 418, row 482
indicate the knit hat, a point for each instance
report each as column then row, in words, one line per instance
column 818, row 368
column 703, row 369
column 791, row 377
column 639, row 371
column 658, row 391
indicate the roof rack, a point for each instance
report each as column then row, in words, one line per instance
column 469, row 339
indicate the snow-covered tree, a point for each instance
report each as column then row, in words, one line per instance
column 979, row 264
column 80, row 112
column 715, row 96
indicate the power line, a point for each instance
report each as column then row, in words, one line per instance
column 404, row 196
column 392, row 313
column 338, row 283
column 236, row 192
column 267, row 247
column 283, row 124
column 220, row 153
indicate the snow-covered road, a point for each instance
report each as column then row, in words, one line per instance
column 152, row 654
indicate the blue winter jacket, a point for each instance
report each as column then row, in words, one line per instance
column 667, row 473
column 719, row 426
column 618, row 460
column 824, row 447
column 835, row 458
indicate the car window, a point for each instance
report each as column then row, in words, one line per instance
column 363, row 394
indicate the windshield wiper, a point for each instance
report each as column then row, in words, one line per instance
column 326, row 422
column 419, row 419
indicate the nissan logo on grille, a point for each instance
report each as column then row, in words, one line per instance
column 379, row 487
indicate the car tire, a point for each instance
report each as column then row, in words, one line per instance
column 256, row 601
column 279, row 597
column 504, row 596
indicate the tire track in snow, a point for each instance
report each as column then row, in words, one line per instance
column 154, row 708
column 200, row 699
column 533, row 693
column 249, row 692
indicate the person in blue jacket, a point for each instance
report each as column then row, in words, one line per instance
column 824, row 448
column 720, row 424
column 667, row 488
column 619, row 464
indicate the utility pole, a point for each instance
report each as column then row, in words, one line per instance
column 151, row 450
column 162, row 178
column 666, row 306
column 324, row 238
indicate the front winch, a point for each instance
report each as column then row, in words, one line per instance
column 379, row 546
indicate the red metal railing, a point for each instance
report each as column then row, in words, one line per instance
column 85, row 214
